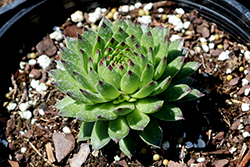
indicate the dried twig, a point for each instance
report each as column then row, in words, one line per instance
column 245, row 160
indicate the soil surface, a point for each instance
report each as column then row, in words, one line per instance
column 215, row 131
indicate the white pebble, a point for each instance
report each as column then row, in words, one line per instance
column 77, row 16
column 57, row 35
column 201, row 143
column 174, row 37
column 66, row 129
column 33, row 121
column 103, row 10
column 179, row 26
column 125, row 8
column 198, row 49
column 146, row 19
column 232, row 150
column 247, row 91
column 11, row 106
column 34, row 83
column 115, row 15
column 32, row 62
column 245, row 72
column 148, row 6
column 24, row 106
column 211, row 45
column 23, row 150
column 180, row 11
column 166, row 145
column 223, row 56
column 93, row 17
column 228, row 71
column 160, row 10
column 205, row 47
column 173, row 19
column 79, row 24
column 201, row 159
column 241, row 126
column 138, row 5
column 44, row 61
column 117, row 158
column 202, row 39
column 41, row 112
column 245, row 107
column 211, row 38
column 186, row 24
column 247, row 55
column 22, row 65
column 131, row 7
column 189, row 145
column 246, row 134
column 25, row 114
column 244, row 82
column 41, row 87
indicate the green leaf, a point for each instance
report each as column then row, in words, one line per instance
column 71, row 44
column 99, row 136
column 175, row 92
column 78, row 96
column 162, row 86
column 64, row 102
column 106, row 21
column 85, row 131
column 147, row 75
column 145, row 90
column 99, row 44
column 169, row 112
column 128, row 145
column 107, row 90
column 105, row 32
column 157, row 33
column 162, row 49
column 72, row 109
column 186, row 70
column 84, row 81
column 174, row 49
column 104, row 111
column 147, row 41
column 120, row 35
column 112, row 44
column 111, row 76
column 137, row 120
column 192, row 95
column 152, row 134
column 173, row 67
column 149, row 105
column 118, row 129
column 90, row 35
column 119, row 23
column 160, row 68
column 93, row 76
column 123, row 108
column 87, row 115
column 95, row 98
column 130, row 82
column 135, row 29
column 84, row 44
column 134, row 67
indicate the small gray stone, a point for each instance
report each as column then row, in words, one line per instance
column 81, row 156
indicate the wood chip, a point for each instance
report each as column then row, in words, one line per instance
column 49, row 152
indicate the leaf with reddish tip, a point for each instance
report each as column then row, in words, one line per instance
column 169, row 112
column 128, row 145
column 111, row 76
column 87, row 115
column 105, row 32
column 93, row 76
column 90, row 35
column 111, row 43
column 137, row 120
column 192, row 95
column 95, row 98
column 135, row 29
column 120, row 35
column 160, row 68
column 85, row 131
column 84, row 81
column 162, row 86
column 123, row 108
column 152, row 134
column 99, row 44
column 64, row 102
column 134, row 67
column 107, row 90
column 104, row 111
column 145, row 90
column 147, row 75
column 175, row 92
column 84, row 44
column 147, row 41
column 174, row 49
column 120, row 23
column 162, row 49
column 99, row 136
column 130, row 82
column 118, row 129
column 71, row 44
column 72, row 109
column 149, row 105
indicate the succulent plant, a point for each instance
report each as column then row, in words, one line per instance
column 121, row 80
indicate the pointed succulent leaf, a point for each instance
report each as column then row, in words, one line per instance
column 111, row 76
column 132, row 41
column 71, row 43
column 128, row 145
column 118, row 129
column 147, row 75
column 135, row 29
column 99, row 136
column 134, row 67
column 93, row 76
column 78, row 96
column 169, row 112
column 90, row 35
column 106, row 21
column 72, row 109
column 85, row 131
column 71, row 66
column 84, row 44
column 99, row 44
column 147, row 41
column 162, row 86
column 137, row 120
column 143, row 61
column 151, row 56
column 95, row 98
column 162, row 49
column 186, row 70
column 120, row 23
column 130, row 82
column 120, row 35
column 85, row 58
column 192, row 95
column 123, row 108
column 107, row 90
column 149, row 105
column 111, row 44
column 174, row 49
column 88, row 114
column 175, row 92
column 64, row 102
column 157, row 33
column 71, row 55
column 173, row 67
column 97, row 57
column 145, row 28
column 152, row 134
column 160, row 68
column 84, row 81
column 105, row 32
column 104, row 111
column 145, row 90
